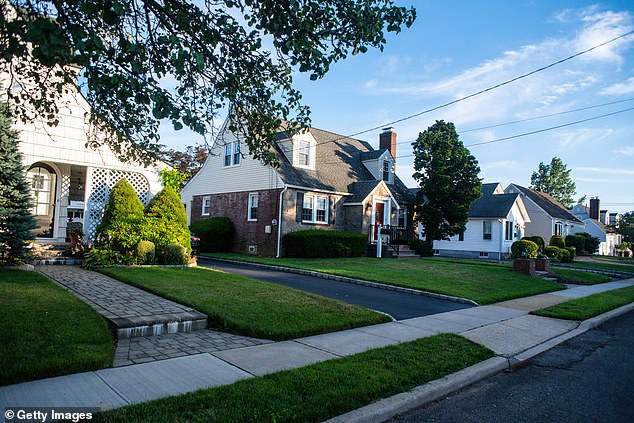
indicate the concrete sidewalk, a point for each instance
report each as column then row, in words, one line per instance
column 506, row 328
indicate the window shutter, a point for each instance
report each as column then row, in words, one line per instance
column 299, row 206
column 331, row 211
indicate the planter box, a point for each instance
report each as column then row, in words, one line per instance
column 525, row 266
column 542, row 264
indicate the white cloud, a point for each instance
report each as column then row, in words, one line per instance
column 604, row 170
column 626, row 87
column 627, row 151
column 575, row 137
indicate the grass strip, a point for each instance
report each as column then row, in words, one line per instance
column 587, row 307
column 485, row 283
column 579, row 276
column 46, row 331
column 316, row 392
column 611, row 267
column 247, row 306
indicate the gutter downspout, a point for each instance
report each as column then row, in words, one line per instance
column 279, row 223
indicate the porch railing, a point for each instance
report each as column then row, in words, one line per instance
column 396, row 235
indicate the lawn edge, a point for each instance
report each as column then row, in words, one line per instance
column 346, row 279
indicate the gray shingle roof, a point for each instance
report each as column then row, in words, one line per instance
column 371, row 155
column 360, row 190
column 549, row 204
column 338, row 166
column 488, row 189
column 492, row 205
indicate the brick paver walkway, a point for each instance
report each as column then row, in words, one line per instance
column 162, row 347
column 132, row 311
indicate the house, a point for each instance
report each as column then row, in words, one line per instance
column 70, row 182
column 324, row 181
column 595, row 227
column 547, row 216
column 496, row 220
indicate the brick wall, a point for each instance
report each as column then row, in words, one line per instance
column 234, row 205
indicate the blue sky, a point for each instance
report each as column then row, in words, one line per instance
column 456, row 48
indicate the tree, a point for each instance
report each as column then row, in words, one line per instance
column 448, row 178
column 174, row 179
column 554, row 179
column 143, row 61
column 166, row 220
column 123, row 220
column 626, row 226
column 188, row 161
column 16, row 220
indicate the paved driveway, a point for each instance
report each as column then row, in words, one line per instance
column 397, row 304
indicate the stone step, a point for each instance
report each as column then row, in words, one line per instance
column 132, row 327
column 58, row 261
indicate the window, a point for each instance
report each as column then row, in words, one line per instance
column 387, row 168
column 253, row 207
column 402, row 217
column 315, row 209
column 304, row 153
column 206, row 206
column 461, row 236
column 484, row 254
column 508, row 236
column 558, row 228
column 486, row 229
column 232, row 154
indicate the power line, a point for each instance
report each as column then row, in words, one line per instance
column 545, row 116
column 481, row 91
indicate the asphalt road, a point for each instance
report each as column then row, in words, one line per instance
column 397, row 304
column 587, row 379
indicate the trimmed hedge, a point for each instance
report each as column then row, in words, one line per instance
column 319, row 243
column 216, row 234
column 576, row 241
column 557, row 241
column 145, row 252
column 166, row 220
column 537, row 240
column 422, row 248
column 553, row 253
column 524, row 249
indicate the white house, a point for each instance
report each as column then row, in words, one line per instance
column 547, row 216
column 69, row 181
column 590, row 216
column 496, row 220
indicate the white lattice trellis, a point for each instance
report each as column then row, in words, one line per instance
column 101, row 182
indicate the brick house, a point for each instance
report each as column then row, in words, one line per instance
column 324, row 181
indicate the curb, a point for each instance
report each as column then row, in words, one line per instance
column 346, row 280
column 387, row 408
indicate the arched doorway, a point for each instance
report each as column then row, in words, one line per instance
column 42, row 180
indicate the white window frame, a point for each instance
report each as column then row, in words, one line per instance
column 314, row 199
column 387, row 162
column 508, row 236
column 559, row 228
column 202, row 211
column 303, row 148
column 484, row 233
column 232, row 152
column 250, row 207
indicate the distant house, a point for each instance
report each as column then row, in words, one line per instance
column 547, row 216
column 495, row 221
column 324, row 181
column 70, row 182
column 590, row 216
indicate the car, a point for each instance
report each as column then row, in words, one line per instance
column 194, row 242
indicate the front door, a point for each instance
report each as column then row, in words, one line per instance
column 42, row 181
column 379, row 214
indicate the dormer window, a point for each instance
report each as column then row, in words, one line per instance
column 304, row 153
column 386, row 171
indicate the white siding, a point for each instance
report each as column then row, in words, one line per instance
column 375, row 166
column 473, row 240
column 214, row 178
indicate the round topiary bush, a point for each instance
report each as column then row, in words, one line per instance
column 573, row 253
column 557, row 241
column 123, row 220
column 524, row 249
column 553, row 253
column 537, row 240
column 174, row 254
column 216, row 234
column 576, row 241
column 145, row 252
column 166, row 220
column 564, row 256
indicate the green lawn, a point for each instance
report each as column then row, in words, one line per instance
column 246, row 306
column 587, row 307
column 483, row 282
column 603, row 266
column 579, row 276
column 317, row 392
column 46, row 331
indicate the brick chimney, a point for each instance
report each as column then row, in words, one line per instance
column 594, row 208
column 387, row 141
